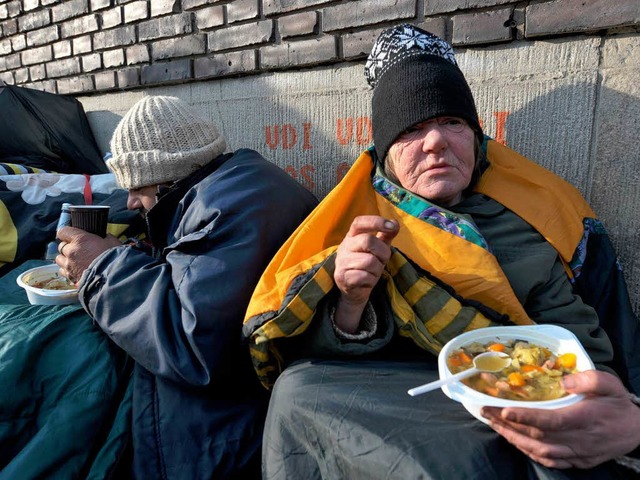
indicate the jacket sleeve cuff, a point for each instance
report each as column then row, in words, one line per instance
column 368, row 325
column 632, row 459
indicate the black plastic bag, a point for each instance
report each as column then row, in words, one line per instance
column 47, row 131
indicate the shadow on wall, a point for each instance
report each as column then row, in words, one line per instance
column 103, row 123
column 312, row 124
column 595, row 149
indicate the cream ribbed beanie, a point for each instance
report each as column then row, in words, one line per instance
column 161, row 140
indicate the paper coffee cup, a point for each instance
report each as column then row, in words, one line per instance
column 90, row 218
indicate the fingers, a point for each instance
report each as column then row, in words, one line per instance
column 601, row 426
column 375, row 225
column 366, row 244
column 64, row 264
column 521, row 438
column 371, row 234
column 360, row 270
column 78, row 249
column 527, row 418
column 69, row 234
column 387, row 236
column 362, row 255
column 510, row 418
column 356, row 274
column 553, row 453
column 592, row 382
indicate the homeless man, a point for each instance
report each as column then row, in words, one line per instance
column 175, row 304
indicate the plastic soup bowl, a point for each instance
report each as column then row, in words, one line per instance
column 557, row 339
column 43, row 296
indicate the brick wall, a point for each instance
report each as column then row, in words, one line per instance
column 86, row 46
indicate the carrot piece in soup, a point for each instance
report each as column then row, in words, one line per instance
column 459, row 359
column 493, row 391
column 566, row 360
column 516, row 379
column 531, row 368
column 464, row 358
column 496, row 347
column 454, row 361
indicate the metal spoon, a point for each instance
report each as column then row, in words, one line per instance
column 490, row 362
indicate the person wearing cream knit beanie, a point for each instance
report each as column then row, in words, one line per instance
column 160, row 140
column 176, row 302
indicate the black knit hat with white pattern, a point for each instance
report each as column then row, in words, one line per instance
column 415, row 77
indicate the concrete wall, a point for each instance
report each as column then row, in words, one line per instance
column 572, row 105
column 554, row 79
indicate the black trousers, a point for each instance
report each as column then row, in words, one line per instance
column 354, row 420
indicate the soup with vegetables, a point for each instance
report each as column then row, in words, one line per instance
column 57, row 282
column 534, row 374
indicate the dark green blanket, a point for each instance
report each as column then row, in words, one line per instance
column 65, row 400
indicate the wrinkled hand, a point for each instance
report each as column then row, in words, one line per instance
column 604, row 425
column 360, row 260
column 78, row 249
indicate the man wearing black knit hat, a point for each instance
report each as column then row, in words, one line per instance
column 175, row 303
column 435, row 231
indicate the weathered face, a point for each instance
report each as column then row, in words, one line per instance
column 142, row 198
column 435, row 159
